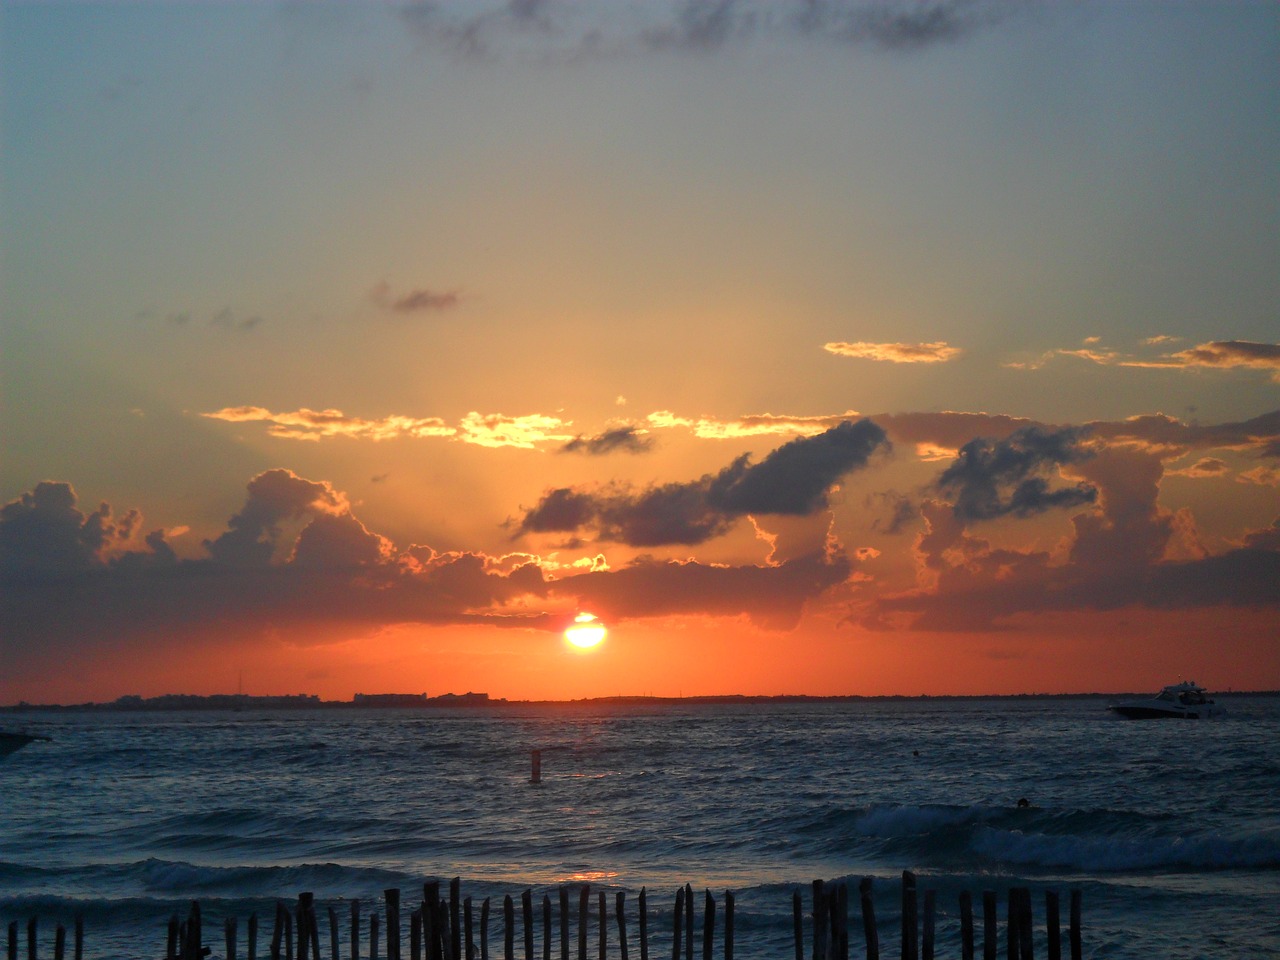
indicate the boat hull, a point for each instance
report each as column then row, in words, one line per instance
column 1157, row 713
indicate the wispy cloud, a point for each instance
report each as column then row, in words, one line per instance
column 625, row 438
column 750, row 425
column 1219, row 354
column 937, row 352
column 543, row 28
column 307, row 424
column 421, row 300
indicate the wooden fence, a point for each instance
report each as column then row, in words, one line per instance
column 451, row 927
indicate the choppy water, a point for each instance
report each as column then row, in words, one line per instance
column 1171, row 831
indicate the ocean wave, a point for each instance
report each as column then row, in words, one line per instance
column 1115, row 854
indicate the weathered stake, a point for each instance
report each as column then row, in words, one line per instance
column 526, row 914
column 869, row 928
column 602, row 924
column 564, row 922
column 644, row 923
column 910, row 922
column 1076, row 943
column 990, row 931
column 728, row 926
column 1053, row 924
column 508, row 928
column 926, row 945
column 708, row 926
column 620, row 905
column 229, row 934
column 797, row 924
column 584, row 899
column 966, row 925
column 677, row 921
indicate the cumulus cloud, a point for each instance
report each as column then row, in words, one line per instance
column 937, row 352
column 794, row 479
column 44, row 531
column 295, row 562
column 1128, row 552
column 995, row 478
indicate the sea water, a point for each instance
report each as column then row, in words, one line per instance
column 1170, row 830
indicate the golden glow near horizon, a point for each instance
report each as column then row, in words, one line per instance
column 586, row 632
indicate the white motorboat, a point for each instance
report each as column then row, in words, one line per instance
column 1179, row 701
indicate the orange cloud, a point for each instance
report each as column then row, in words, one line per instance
column 937, row 352
column 1222, row 354
column 750, row 425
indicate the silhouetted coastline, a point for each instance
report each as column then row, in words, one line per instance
column 385, row 701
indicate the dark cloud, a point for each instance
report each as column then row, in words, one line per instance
column 415, row 301
column 44, row 531
column 252, row 534
column 793, row 479
column 996, row 478
column 545, row 29
column 772, row 597
column 796, row 477
column 1119, row 557
column 626, row 439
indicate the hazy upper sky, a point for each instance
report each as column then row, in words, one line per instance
column 815, row 346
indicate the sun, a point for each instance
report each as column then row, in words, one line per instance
column 586, row 632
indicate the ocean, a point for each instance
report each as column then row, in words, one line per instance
column 1170, row 831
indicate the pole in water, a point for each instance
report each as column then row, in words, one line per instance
column 536, row 777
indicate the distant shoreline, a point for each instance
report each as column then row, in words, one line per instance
column 471, row 701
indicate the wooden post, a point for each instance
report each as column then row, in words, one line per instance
column 444, row 927
column 797, row 924
column 728, row 926
column 546, row 927
column 1076, row 941
column 195, row 931
column 844, row 921
column 620, row 911
column 277, row 931
column 677, row 924
column 468, row 928
column 13, row 940
column 415, row 935
column 508, row 928
column 966, row 925
column 392, row 896
column 1053, row 924
column 602, row 923
column 32, row 931
column 304, row 940
column 287, row 917
column 60, row 943
column 536, row 776
column 643, row 907
column 708, row 926
column 251, row 937
column 355, row 930
column 1026, row 945
column 819, row 921
column 926, row 945
column 79, row 945
column 869, row 928
column 430, row 930
column 229, row 934
column 455, row 918
column 526, row 914
column 564, row 922
column 334, row 952
column 373, row 936
column 990, row 926
column 910, row 918
column 688, row 921
column 584, row 899
column 484, row 929
column 431, row 920
column 1012, row 927
column 170, row 951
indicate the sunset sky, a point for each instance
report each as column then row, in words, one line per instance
column 814, row 346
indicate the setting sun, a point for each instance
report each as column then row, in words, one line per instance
column 585, row 632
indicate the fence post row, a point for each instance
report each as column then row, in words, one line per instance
column 445, row 929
